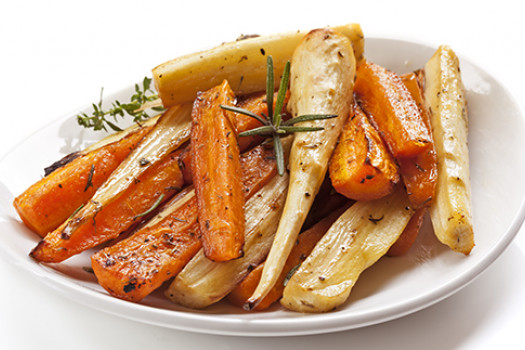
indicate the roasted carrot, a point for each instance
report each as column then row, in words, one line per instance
column 156, row 185
column 409, row 234
column 392, row 110
column 216, row 172
column 134, row 267
column 361, row 167
column 255, row 103
column 306, row 241
column 50, row 201
column 419, row 173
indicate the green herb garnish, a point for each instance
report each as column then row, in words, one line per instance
column 272, row 124
column 100, row 118
column 152, row 208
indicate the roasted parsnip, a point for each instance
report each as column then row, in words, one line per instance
column 241, row 62
column 450, row 212
column 203, row 282
column 360, row 236
column 322, row 76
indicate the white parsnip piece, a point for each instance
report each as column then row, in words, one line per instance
column 360, row 237
column 321, row 82
column 203, row 282
column 241, row 62
column 450, row 212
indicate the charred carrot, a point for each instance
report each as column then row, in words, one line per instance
column 50, row 201
column 392, row 110
column 419, row 173
column 134, row 267
column 216, row 172
column 306, row 241
column 409, row 234
column 149, row 191
column 361, row 167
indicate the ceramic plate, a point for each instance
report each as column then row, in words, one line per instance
column 392, row 288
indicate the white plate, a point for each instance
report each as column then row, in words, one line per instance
column 392, row 288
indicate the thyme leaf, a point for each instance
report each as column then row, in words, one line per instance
column 273, row 126
column 101, row 119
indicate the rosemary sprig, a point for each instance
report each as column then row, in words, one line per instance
column 272, row 124
column 100, row 118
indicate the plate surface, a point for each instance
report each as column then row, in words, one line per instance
column 392, row 288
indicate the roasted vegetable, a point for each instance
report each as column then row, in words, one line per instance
column 216, row 173
column 51, row 200
column 150, row 190
column 170, row 131
column 360, row 236
column 302, row 248
column 132, row 268
column 241, row 62
column 409, row 235
column 361, row 167
column 322, row 75
column 203, row 282
column 392, row 109
column 255, row 103
column 419, row 173
column 450, row 212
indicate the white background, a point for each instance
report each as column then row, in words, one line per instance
column 56, row 55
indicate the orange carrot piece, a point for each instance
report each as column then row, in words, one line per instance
column 304, row 245
column 155, row 186
column 361, row 167
column 50, row 201
column 419, row 173
column 255, row 103
column 392, row 110
column 216, row 172
column 134, row 267
column 409, row 234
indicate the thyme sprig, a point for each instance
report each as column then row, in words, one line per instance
column 100, row 119
column 273, row 125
